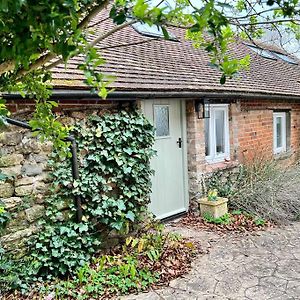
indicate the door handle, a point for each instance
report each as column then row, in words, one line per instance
column 179, row 142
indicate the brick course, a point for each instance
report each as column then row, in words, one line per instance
column 251, row 137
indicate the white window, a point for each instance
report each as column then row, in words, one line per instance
column 217, row 134
column 279, row 132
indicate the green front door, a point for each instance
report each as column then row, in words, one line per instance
column 169, row 181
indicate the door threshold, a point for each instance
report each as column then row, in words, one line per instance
column 173, row 217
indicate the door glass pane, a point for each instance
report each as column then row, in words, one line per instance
column 220, row 131
column 161, row 117
column 278, row 132
column 207, row 133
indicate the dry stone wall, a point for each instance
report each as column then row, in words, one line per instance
column 24, row 160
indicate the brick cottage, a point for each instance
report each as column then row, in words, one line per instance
column 201, row 125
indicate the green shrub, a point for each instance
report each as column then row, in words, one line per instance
column 62, row 248
column 114, row 152
column 4, row 216
column 224, row 220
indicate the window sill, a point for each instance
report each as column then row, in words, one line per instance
column 212, row 167
column 283, row 155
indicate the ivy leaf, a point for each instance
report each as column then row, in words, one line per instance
column 130, row 215
column 83, row 228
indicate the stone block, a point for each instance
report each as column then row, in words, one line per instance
column 78, row 115
column 12, row 171
column 46, row 147
column 11, row 160
column 39, row 158
column 6, row 190
column 10, row 138
column 216, row 209
column 25, row 181
column 32, row 169
column 23, row 190
column 12, row 202
column 43, row 178
column 7, row 150
column 30, row 145
column 40, row 187
column 67, row 121
column 19, row 222
column 35, row 212
column 25, row 233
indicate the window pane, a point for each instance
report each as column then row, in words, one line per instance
column 207, row 141
column 278, row 132
column 161, row 117
column 220, row 130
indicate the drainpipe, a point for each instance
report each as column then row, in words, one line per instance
column 75, row 169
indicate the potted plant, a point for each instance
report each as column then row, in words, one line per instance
column 213, row 205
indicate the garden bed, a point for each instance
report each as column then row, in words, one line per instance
column 234, row 222
column 152, row 260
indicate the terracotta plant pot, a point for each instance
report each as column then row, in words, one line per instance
column 216, row 209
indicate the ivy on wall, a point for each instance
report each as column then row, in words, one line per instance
column 114, row 150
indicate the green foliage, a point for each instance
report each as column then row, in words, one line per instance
column 115, row 152
column 3, row 112
column 236, row 212
column 116, row 275
column 36, row 36
column 17, row 272
column 61, row 248
column 4, row 216
column 130, row 269
column 212, row 195
column 224, row 220
column 45, row 125
column 260, row 221
column 224, row 183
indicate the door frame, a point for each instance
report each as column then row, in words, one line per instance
column 183, row 119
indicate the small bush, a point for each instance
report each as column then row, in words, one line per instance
column 132, row 266
column 224, row 220
column 262, row 188
column 62, row 248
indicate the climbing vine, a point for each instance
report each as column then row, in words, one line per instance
column 115, row 152
column 114, row 162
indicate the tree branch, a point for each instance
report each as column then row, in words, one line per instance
column 93, row 13
column 94, row 42
column 295, row 21
column 49, row 56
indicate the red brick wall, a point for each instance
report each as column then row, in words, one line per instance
column 28, row 105
column 252, row 123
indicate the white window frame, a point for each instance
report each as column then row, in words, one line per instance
column 281, row 149
column 214, row 157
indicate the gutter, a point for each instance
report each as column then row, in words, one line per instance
column 58, row 94
column 75, row 169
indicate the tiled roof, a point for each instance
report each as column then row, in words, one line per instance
column 147, row 64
